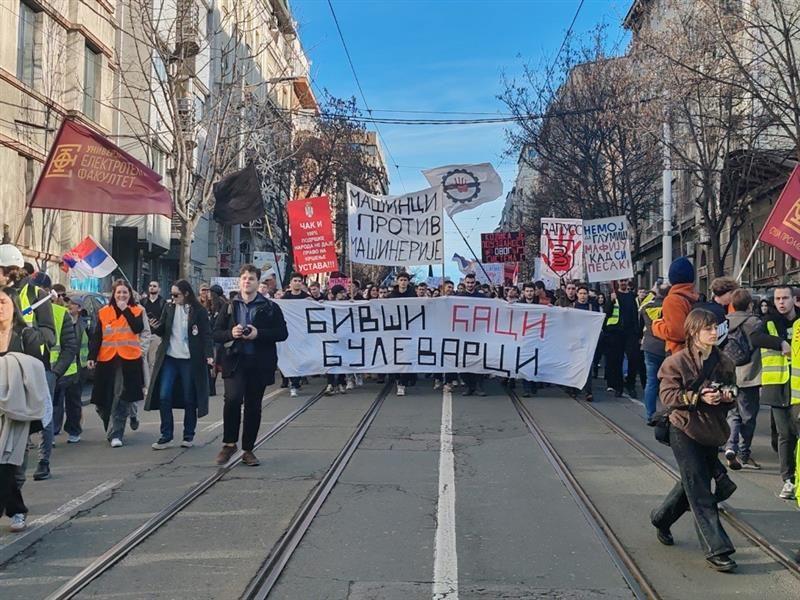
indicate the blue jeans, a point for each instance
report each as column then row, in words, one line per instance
column 177, row 369
column 742, row 420
column 652, row 363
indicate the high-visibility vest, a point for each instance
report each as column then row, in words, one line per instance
column 25, row 304
column 83, row 355
column 774, row 365
column 613, row 318
column 795, row 362
column 59, row 315
column 118, row 338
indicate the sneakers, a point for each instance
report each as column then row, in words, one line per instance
column 723, row 564
column 116, row 443
column 225, row 454
column 250, row 459
column 401, row 390
column 73, row 439
column 733, row 462
column 437, row 384
column 187, row 444
column 134, row 423
column 610, row 390
column 293, row 392
column 163, row 444
column 42, row 471
column 750, row 464
column 358, row 379
column 589, row 397
column 351, row 385
column 342, row 388
column 329, row 390
column 787, row 492
column 18, row 522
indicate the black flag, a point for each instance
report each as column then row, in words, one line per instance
column 238, row 197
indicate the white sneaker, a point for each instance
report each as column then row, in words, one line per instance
column 330, row 391
column 787, row 492
column 350, row 384
column 293, row 392
column 401, row 390
column 73, row 439
column 342, row 388
column 447, row 387
column 187, row 444
column 437, row 384
column 359, row 379
column 116, row 443
column 18, row 522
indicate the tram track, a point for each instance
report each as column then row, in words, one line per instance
column 121, row 549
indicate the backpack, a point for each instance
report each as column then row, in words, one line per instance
column 738, row 347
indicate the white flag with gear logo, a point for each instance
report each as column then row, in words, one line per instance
column 466, row 186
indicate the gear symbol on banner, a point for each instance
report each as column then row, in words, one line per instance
column 461, row 186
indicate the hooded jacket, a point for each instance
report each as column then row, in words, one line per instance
column 748, row 375
column 677, row 305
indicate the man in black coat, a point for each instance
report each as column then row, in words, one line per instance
column 473, row 381
column 403, row 289
column 248, row 328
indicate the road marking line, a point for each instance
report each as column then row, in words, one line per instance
column 215, row 424
column 64, row 510
column 445, row 560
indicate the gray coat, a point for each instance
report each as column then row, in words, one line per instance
column 200, row 349
column 748, row 375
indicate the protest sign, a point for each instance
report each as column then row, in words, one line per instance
column 607, row 248
column 265, row 261
column 395, row 230
column 438, row 335
column 495, row 272
column 503, row 246
column 550, row 282
column 228, row 284
column 342, row 281
column 561, row 248
column 311, row 231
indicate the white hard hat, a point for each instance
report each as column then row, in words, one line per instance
column 10, row 256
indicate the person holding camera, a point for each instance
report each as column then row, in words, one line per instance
column 248, row 328
column 698, row 386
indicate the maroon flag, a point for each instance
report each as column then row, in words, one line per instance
column 782, row 228
column 86, row 172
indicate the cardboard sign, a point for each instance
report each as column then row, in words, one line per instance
column 607, row 249
column 503, row 246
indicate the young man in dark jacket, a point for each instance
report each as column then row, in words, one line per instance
column 403, row 289
column 295, row 292
column 248, row 328
column 622, row 339
column 472, row 381
column 582, row 303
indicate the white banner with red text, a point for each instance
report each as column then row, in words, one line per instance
column 438, row 335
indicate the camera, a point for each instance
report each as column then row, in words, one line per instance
column 732, row 389
column 247, row 330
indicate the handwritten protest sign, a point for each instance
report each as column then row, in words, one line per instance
column 561, row 248
column 503, row 246
column 607, row 249
column 395, row 230
column 228, row 284
column 311, row 230
column 437, row 335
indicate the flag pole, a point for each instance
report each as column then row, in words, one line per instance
column 747, row 260
column 475, row 256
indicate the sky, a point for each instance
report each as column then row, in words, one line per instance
column 441, row 55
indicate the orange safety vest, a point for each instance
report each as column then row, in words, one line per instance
column 118, row 339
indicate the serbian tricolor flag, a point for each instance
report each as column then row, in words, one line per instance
column 88, row 259
column 86, row 172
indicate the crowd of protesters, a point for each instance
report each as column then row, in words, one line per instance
column 707, row 364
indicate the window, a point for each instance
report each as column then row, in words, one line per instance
column 92, row 63
column 26, row 46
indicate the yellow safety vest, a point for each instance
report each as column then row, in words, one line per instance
column 59, row 315
column 795, row 361
column 774, row 365
column 613, row 318
column 84, row 352
column 25, row 304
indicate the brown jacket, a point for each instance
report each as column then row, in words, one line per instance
column 677, row 305
column 704, row 423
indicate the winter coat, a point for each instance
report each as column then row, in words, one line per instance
column 748, row 375
column 775, row 395
column 677, row 305
column 200, row 350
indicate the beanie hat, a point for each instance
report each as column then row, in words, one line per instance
column 681, row 271
column 42, row 280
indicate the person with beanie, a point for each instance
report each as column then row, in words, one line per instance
column 677, row 305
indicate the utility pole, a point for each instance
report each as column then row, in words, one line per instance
column 666, row 235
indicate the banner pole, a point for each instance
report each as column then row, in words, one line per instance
column 274, row 253
column 475, row 256
column 747, row 260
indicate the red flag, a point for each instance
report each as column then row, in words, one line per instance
column 86, row 172
column 782, row 228
column 311, row 230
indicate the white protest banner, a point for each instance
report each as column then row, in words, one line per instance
column 550, row 283
column 466, row 186
column 491, row 273
column 437, row 335
column 607, row 248
column 228, row 284
column 402, row 230
column 561, row 248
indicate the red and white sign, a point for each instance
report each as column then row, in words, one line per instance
column 782, row 229
column 503, row 247
column 561, row 248
column 311, row 230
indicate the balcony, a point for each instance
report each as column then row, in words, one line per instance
column 187, row 29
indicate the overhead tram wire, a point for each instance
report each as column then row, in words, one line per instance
column 363, row 96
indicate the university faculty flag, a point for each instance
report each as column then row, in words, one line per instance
column 88, row 173
column 466, row 186
column 88, row 259
column 782, row 229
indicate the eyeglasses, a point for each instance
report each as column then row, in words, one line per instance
column 176, row 295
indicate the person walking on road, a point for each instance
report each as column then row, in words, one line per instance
column 582, row 303
column 249, row 328
column 24, row 404
column 779, row 338
column 622, row 339
column 742, row 417
column 115, row 353
column 472, row 381
column 677, row 305
column 181, row 365
column 295, row 292
column 652, row 347
column 403, row 289
column 698, row 386
column 73, row 404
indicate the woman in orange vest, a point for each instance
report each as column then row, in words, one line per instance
column 115, row 351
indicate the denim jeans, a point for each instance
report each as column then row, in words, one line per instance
column 697, row 464
column 173, row 370
column 742, row 421
column 652, row 363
